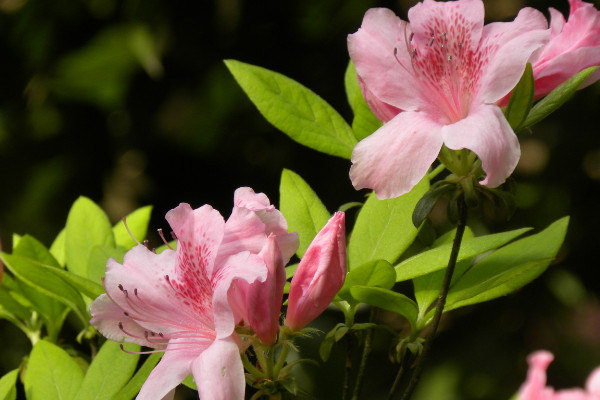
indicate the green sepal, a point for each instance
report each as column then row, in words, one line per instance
column 294, row 109
column 521, row 100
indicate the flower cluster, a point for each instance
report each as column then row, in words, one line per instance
column 186, row 302
column 438, row 81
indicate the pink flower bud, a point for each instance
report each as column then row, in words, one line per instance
column 320, row 275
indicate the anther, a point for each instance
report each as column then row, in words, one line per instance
column 135, row 292
column 121, row 326
column 126, row 313
column 120, row 287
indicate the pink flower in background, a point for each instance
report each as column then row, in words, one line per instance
column 258, row 304
column 177, row 301
column 574, row 46
column 535, row 387
column 320, row 274
column 435, row 81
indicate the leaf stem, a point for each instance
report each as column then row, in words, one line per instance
column 439, row 309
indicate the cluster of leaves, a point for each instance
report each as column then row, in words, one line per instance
column 46, row 285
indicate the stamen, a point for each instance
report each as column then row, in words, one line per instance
column 162, row 236
column 128, row 231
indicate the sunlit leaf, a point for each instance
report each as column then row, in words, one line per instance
column 8, row 390
column 302, row 208
column 387, row 300
column 364, row 122
column 384, row 228
column 521, row 99
column 137, row 222
column 379, row 273
column 52, row 374
column 135, row 384
column 295, row 110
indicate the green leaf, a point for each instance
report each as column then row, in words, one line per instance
column 52, row 374
column 334, row 335
column 521, row 99
column 508, row 268
column 109, row 371
column 295, row 110
column 302, row 208
column 31, row 248
column 98, row 257
column 555, row 99
column 135, row 384
column 388, row 300
column 39, row 277
column 384, row 228
column 437, row 258
column 57, row 249
column 189, row 382
column 137, row 222
column 290, row 270
column 87, row 227
column 378, row 273
column 8, row 389
column 85, row 286
column 10, row 307
column 364, row 122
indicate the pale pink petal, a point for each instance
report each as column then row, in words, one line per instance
column 320, row 274
column 244, row 266
column 487, row 133
column 112, row 323
column 557, row 22
column 218, row 372
column 534, row 387
column 592, row 385
column 247, row 198
column 244, row 231
column 397, row 156
column 461, row 20
column 383, row 61
column 173, row 368
column 508, row 46
column 571, row 394
column 382, row 110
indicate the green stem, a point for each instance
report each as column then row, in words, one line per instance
column 348, row 368
column 407, row 358
column 365, row 355
column 439, row 309
column 436, row 171
column 280, row 361
column 251, row 368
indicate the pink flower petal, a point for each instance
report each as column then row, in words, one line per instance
column 509, row 46
column 218, row 372
column 397, row 156
column 534, row 387
column 488, row 134
column 592, row 384
column 387, row 75
column 173, row 368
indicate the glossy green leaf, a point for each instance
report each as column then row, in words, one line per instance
column 508, row 268
column 364, row 122
column 52, row 374
column 555, row 99
column 437, row 258
column 87, row 287
column 10, row 307
column 31, row 248
column 137, row 222
column 135, row 384
column 109, row 371
column 521, row 99
column 384, row 228
column 295, row 110
column 379, row 273
column 8, row 389
column 87, row 227
column 97, row 263
column 302, row 208
column 47, row 282
column 388, row 300
column 57, row 249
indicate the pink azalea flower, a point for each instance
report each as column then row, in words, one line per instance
column 535, row 387
column 177, row 301
column 436, row 81
column 574, row 46
column 319, row 276
column 258, row 304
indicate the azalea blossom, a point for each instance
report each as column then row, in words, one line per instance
column 320, row 274
column 535, row 387
column 574, row 46
column 258, row 304
column 177, row 301
column 434, row 81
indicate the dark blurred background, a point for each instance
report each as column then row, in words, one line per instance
column 129, row 103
